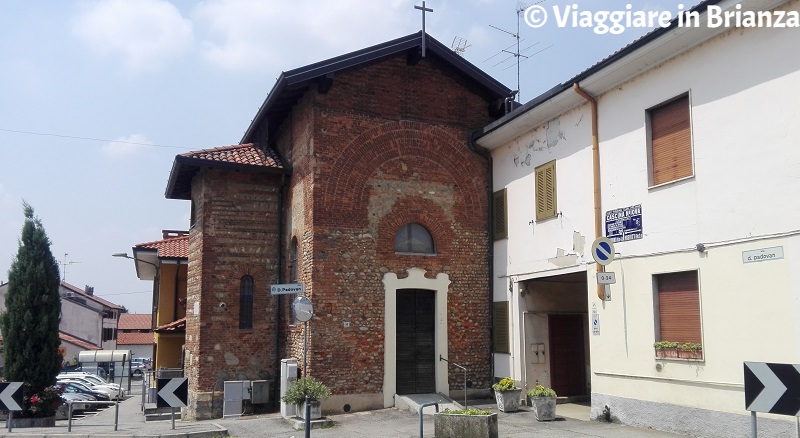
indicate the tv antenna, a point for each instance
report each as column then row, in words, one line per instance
column 64, row 265
column 459, row 45
column 517, row 54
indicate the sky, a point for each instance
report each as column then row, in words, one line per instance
column 97, row 97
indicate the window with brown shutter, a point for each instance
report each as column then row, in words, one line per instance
column 546, row 191
column 499, row 215
column 670, row 141
column 500, row 327
column 678, row 307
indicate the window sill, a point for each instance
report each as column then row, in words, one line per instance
column 675, row 354
column 423, row 254
column 674, row 181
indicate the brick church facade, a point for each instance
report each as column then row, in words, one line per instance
column 358, row 178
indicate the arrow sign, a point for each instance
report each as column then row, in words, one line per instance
column 772, row 388
column 172, row 393
column 11, row 396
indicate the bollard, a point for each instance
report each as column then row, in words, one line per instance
column 308, row 417
column 420, row 414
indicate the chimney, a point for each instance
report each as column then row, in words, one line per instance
column 89, row 290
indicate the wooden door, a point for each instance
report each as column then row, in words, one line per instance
column 567, row 355
column 416, row 317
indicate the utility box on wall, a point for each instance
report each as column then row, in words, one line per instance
column 287, row 379
column 260, row 392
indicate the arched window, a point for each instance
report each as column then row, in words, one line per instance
column 413, row 238
column 246, row 302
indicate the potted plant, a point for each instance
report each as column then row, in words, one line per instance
column 690, row 350
column 507, row 395
column 543, row 401
column 465, row 423
column 666, row 349
column 311, row 387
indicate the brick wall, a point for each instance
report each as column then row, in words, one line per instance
column 235, row 234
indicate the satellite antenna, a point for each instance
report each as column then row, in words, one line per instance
column 64, row 265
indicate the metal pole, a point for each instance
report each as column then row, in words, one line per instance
column 425, row 405
column 116, row 415
column 307, row 426
column 10, row 419
column 753, row 424
column 69, row 418
column 173, row 418
column 305, row 348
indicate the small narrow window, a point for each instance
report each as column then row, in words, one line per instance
column 670, row 147
column 294, row 263
column 413, row 238
column 246, row 303
column 546, row 191
column 500, row 327
column 499, row 215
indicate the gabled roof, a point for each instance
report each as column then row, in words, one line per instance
column 83, row 294
column 172, row 248
column 292, row 84
column 135, row 339
column 242, row 158
column 133, row 321
column 86, row 345
column 649, row 51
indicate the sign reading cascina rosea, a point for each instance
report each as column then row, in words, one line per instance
column 623, row 224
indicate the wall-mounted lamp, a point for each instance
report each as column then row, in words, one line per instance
column 700, row 248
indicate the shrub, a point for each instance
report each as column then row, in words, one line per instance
column 306, row 386
column 506, row 384
column 541, row 391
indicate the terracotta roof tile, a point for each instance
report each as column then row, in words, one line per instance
column 175, row 326
column 135, row 339
column 131, row 321
column 239, row 154
column 77, row 341
column 174, row 247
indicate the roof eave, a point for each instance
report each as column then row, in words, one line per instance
column 184, row 168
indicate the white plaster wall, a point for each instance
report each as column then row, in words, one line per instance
column 81, row 322
column 744, row 91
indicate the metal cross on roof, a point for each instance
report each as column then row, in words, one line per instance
column 424, row 10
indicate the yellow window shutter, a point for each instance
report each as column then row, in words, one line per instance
column 546, row 191
column 499, row 215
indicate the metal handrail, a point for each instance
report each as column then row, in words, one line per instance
column 88, row 402
column 465, row 377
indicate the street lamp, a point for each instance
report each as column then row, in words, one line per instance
column 126, row 256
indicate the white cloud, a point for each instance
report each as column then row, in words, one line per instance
column 253, row 35
column 145, row 32
column 126, row 146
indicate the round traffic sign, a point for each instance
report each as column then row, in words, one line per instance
column 603, row 250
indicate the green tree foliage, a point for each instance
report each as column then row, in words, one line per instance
column 33, row 307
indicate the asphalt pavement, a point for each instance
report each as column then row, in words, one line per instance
column 383, row 423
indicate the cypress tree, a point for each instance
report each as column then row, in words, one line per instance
column 33, row 307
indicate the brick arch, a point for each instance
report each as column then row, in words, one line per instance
column 424, row 212
column 346, row 191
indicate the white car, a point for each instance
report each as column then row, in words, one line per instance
column 92, row 378
column 114, row 394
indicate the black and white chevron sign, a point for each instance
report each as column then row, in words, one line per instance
column 172, row 393
column 772, row 388
column 11, row 396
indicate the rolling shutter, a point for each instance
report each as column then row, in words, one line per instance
column 671, row 141
column 679, row 307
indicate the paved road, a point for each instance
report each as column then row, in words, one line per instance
column 384, row 423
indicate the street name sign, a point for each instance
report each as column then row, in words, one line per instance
column 286, row 289
column 172, row 393
column 772, row 388
column 11, row 396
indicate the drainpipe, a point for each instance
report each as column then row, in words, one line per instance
column 276, row 385
column 175, row 294
column 490, row 253
column 598, row 232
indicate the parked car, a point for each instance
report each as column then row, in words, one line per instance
column 139, row 365
column 76, row 387
column 91, row 378
column 113, row 391
column 77, row 399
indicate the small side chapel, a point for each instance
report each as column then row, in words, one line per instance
column 358, row 178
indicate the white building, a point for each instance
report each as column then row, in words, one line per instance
column 697, row 169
